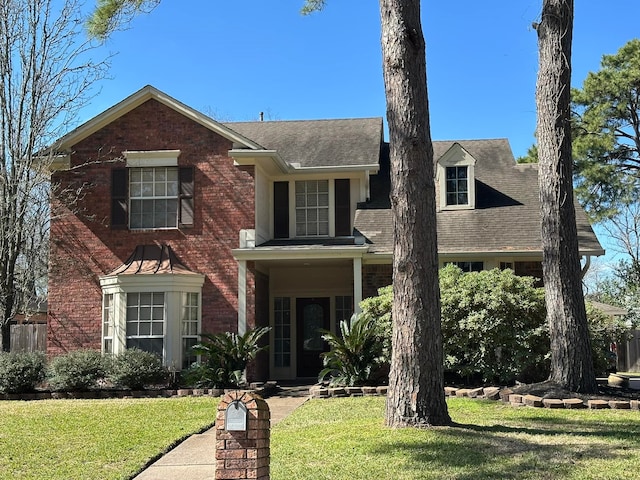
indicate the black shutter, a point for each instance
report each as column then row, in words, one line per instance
column 343, row 208
column 185, row 176
column 281, row 209
column 119, row 201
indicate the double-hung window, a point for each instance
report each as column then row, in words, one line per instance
column 152, row 192
column 312, row 208
column 153, row 197
column 145, row 321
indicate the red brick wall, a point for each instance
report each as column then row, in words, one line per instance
column 375, row 277
column 83, row 247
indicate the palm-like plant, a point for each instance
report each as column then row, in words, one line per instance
column 225, row 357
column 355, row 356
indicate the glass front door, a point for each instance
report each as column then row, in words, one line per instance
column 312, row 317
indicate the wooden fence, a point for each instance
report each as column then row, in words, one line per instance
column 29, row 337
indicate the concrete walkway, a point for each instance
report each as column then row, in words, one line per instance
column 194, row 459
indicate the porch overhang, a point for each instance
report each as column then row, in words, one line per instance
column 299, row 252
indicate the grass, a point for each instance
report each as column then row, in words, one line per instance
column 94, row 439
column 325, row 439
column 345, row 439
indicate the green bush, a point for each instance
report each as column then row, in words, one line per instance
column 225, row 357
column 21, row 372
column 355, row 356
column 493, row 325
column 134, row 369
column 379, row 308
column 76, row 371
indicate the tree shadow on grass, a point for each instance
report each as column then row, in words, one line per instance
column 466, row 452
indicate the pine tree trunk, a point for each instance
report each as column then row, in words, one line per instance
column 416, row 386
column 571, row 356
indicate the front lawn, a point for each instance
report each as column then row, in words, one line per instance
column 325, row 439
column 94, row 439
column 345, row 439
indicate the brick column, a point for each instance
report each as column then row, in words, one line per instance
column 243, row 454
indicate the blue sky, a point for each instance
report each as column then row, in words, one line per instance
column 234, row 59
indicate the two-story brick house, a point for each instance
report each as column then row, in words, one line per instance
column 167, row 224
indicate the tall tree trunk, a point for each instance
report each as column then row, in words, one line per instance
column 416, row 386
column 571, row 356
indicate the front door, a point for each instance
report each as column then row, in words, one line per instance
column 312, row 317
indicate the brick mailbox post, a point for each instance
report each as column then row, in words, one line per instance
column 242, row 437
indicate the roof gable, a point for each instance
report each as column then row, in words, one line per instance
column 138, row 98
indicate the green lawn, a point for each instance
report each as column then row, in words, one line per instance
column 346, row 439
column 94, row 439
column 325, row 439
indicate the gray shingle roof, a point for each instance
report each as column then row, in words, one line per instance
column 506, row 217
column 318, row 143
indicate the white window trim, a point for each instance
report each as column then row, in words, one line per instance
column 151, row 158
column 173, row 287
column 292, row 208
column 456, row 156
column 175, row 197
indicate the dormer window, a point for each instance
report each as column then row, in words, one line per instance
column 455, row 179
column 457, row 186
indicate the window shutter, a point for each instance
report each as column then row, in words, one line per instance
column 185, row 176
column 342, row 208
column 281, row 209
column 119, row 201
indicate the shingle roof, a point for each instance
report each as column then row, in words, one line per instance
column 318, row 143
column 507, row 213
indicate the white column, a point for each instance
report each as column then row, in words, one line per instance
column 242, row 297
column 357, row 284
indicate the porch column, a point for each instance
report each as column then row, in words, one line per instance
column 357, row 284
column 242, row 297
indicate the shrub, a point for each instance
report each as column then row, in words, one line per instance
column 135, row 369
column 76, row 371
column 225, row 357
column 493, row 325
column 379, row 308
column 21, row 372
column 355, row 356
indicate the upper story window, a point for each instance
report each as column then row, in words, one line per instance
column 312, row 208
column 153, row 192
column 457, row 186
column 455, row 179
column 153, row 198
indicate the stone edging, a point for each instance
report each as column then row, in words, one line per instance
column 506, row 395
column 105, row 394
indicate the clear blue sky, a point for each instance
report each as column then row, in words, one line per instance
column 234, row 59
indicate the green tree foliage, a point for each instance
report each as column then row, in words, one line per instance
column 607, row 133
column 530, row 157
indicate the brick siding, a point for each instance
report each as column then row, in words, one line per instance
column 84, row 247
